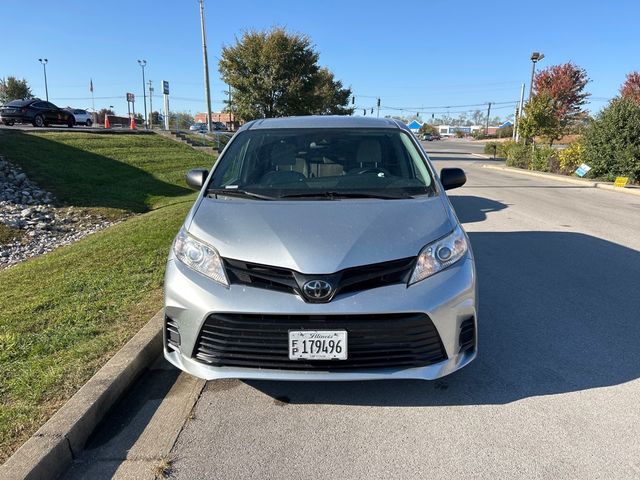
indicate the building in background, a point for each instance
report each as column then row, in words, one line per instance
column 450, row 130
column 414, row 126
column 221, row 117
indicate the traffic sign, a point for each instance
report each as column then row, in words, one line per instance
column 582, row 170
column 165, row 87
column 621, row 182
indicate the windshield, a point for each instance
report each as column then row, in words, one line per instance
column 323, row 163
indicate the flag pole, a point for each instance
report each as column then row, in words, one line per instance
column 93, row 101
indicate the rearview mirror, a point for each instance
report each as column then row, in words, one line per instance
column 196, row 178
column 452, row 178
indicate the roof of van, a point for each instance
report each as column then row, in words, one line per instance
column 323, row 121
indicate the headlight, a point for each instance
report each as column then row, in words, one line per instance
column 200, row 257
column 439, row 255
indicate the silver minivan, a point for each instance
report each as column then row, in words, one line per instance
column 321, row 248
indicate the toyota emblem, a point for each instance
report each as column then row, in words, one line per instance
column 317, row 290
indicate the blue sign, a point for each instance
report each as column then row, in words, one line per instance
column 165, row 87
column 583, row 170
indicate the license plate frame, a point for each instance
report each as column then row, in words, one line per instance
column 303, row 345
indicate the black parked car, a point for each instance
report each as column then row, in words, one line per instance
column 38, row 112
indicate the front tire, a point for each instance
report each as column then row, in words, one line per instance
column 38, row 121
column 88, row 123
column 71, row 122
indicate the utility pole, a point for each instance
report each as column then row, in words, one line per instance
column 519, row 115
column 44, row 62
column 151, row 105
column 230, row 110
column 143, row 63
column 205, row 61
column 488, row 116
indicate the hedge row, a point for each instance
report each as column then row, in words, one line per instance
column 610, row 146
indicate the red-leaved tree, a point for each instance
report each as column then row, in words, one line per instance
column 564, row 84
column 631, row 87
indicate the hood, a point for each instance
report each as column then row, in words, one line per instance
column 318, row 237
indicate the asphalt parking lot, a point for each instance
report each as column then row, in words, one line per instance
column 554, row 392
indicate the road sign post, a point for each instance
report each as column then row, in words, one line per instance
column 165, row 94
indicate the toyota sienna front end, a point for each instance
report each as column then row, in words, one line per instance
column 321, row 248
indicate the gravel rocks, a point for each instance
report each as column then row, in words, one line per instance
column 27, row 208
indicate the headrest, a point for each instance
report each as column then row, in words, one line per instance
column 283, row 154
column 369, row 152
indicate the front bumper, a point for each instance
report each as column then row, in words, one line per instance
column 448, row 298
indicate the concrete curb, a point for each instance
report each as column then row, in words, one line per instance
column 51, row 450
column 565, row 179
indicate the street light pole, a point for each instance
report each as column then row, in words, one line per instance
column 44, row 62
column 205, row 61
column 151, row 104
column 143, row 63
column 535, row 58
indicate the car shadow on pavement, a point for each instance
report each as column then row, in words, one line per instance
column 559, row 312
column 471, row 209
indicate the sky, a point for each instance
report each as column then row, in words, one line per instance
column 436, row 57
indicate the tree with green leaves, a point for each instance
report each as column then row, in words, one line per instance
column 275, row 73
column 13, row 89
column 426, row 128
column 540, row 119
column 612, row 141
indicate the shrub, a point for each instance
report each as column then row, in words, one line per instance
column 459, row 134
column 503, row 148
column 612, row 141
column 479, row 135
column 489, row 148
column 518, row 154
column 542, row 159
column 570, row 158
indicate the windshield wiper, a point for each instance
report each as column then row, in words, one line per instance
column 235, row 192
column 336, row 195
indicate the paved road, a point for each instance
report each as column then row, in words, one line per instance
column 554, row 392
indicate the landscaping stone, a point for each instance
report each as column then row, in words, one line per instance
column 32, row 210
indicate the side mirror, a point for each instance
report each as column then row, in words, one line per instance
column 452, row 178
column 196, row 178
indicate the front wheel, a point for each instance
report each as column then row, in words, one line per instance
column 88, row 123
column 38, row 121
column 8, row 123
column 71, row 122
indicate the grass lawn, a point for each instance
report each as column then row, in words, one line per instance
column 63, row 315
column 121, row 172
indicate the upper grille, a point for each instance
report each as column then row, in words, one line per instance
column 374, row 341
column 353, row 279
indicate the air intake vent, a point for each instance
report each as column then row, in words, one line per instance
column 467, row 337
column 171, row 334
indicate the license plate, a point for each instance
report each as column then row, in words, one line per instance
column 317, row 344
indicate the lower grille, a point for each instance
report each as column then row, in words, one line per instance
column 467, row 339
column 374, row 341
column 171, row 334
